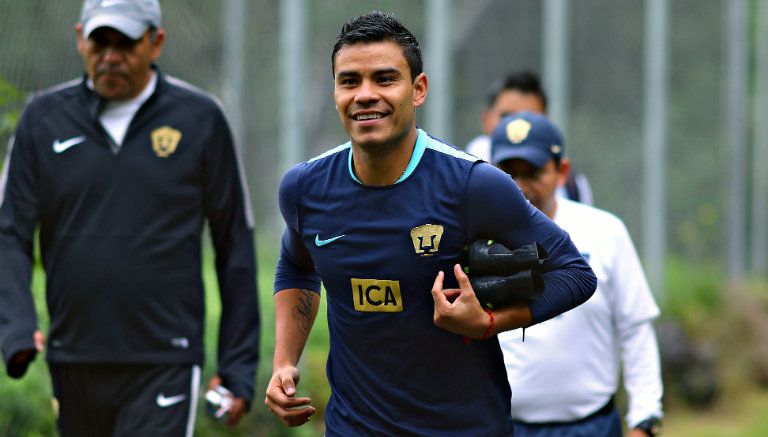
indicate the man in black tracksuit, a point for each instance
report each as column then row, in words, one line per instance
column 120, row 170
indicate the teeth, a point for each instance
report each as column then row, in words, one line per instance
column 368, row 117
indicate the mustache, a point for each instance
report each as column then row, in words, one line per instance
column 111, row 69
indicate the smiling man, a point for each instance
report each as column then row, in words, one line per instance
column 120, row 169
column 382, row 221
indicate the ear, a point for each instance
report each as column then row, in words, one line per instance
column 489, row 120
column 157, row 45
column 563, row 170
column 420, row 86
column 80, row 39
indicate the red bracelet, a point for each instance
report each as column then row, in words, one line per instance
column 490, row 327
column 488, row 331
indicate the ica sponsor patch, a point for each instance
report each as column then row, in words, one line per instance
column 376, row 295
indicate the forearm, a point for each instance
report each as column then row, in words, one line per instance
column 642, row 372
column 239, row 329
column 295, row 312
column 565, row 288
column 511, row 317
column 18, row 320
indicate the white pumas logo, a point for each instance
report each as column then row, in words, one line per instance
column 163, row 401
column 60, row 146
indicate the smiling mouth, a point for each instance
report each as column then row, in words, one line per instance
column 365, row 117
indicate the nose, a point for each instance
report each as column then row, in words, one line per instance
column 112, row 55
column 366, row 93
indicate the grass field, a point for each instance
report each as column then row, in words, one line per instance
column 25, row 408
column 743, row 416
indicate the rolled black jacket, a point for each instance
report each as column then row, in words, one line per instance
column 120, row 233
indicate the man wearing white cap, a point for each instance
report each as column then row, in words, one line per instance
column 120, row 169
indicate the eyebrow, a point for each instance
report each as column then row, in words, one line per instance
column 388, row 70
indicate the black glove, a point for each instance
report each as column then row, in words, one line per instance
column 501, row 277
column 19, row 362
column 500, row 291
column 484, row 257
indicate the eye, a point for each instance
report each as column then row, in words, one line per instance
column 386, row 79
column 99, row 41
column 127, row 44
column 347, row 81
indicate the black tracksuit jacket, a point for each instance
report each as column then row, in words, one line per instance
column 120, row 233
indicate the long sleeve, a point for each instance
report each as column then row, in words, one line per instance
column 642, row 373
column 228, row 212
column 498, row 210
column 18, row 217
column 634, row 312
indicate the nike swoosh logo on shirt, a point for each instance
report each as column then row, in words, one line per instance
column 163, row 401
column 321, row 243
column 60, row 146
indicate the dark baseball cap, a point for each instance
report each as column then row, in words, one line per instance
column 130, row 17
column 528, row 136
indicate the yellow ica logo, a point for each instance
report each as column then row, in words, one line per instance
column 376, row 295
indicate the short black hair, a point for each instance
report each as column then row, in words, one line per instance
column 524, row 81
column 377, row 26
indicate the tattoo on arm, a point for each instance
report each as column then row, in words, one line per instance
column 302, row 312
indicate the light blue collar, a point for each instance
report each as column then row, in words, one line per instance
column 418, row 152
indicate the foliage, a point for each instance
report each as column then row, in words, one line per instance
column 10, row 97
column 693, row 294
column 723, row 354
column 25, row 406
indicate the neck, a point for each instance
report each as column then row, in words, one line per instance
column 551, row 208
column 379, row 165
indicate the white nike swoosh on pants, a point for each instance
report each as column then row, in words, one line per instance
column 163, row 401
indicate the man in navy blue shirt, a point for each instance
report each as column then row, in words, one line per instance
column 380, row 220
column 119, row 170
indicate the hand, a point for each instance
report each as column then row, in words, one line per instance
column 25, row 356
column 39, row 339
column 237, row 411
column 457, row 309
column 280, row 398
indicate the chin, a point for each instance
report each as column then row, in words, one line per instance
column 112, row 94
column 112, row 90
column 367, row 140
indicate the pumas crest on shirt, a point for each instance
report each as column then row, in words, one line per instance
column 165, row 139
column 426, row 239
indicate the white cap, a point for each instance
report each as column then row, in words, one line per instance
column 129, row 17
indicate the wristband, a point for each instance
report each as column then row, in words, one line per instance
column 490, row 327
column 488, row 331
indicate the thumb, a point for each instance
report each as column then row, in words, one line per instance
column 289, row 386
column 39, row 339
column 214, row 382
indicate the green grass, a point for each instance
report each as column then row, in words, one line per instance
column 743, row 416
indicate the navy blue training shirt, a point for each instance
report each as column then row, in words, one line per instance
column 378, row 251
